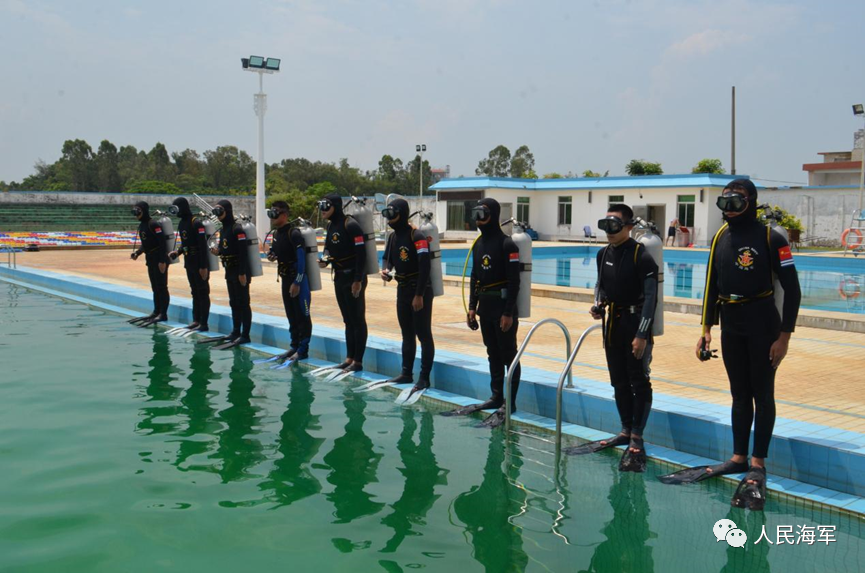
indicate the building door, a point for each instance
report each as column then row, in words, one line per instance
column 507, row 213
column 658, row 215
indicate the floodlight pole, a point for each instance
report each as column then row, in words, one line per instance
column 260, row 107
column 862, row 174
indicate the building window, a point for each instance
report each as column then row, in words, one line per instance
column 615, row 199
column 685, row 210
column 523, row 209
column 460, row 216
column 564, row 210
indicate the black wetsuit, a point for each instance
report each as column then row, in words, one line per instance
column 628, row 285
column 233, row 250
column 408, row 254
column 345, row 247
column 193, row 241
column 739, row 291
column 290, row 250
column 495, row 284
column 154, row 245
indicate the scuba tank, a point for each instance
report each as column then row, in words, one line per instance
column 524, row 244
column 253, row 254
column 431, row 232
column 210, row 231
column 776, row 284
column 363, row 215
column 164, row 221
column 310, row 242
column 650, row 240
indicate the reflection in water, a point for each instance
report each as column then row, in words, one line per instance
column 753, row 557
column 486, row 511
column 563, row 272
column 197, row 405
column 161, row 395
column 238, row 449
column 353, row 466
column 683, row 279
column 290, row 478
column 422, row 474
column 625, row 548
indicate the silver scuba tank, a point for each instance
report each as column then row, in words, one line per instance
column 253, row 254
column 167, row 225
column 209, row 232
column 524, row 244
column 363, row 215
column 776, row 284
column 653, row 245
column 310, row 248
column 431, row 232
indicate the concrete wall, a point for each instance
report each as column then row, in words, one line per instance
column 242, row 204
column 825, row 213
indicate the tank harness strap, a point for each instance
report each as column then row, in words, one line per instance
column 636, row 250
column 705, row 318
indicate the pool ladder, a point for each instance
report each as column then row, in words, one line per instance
column 552, row 501
column 566, row 373
column 11, row 257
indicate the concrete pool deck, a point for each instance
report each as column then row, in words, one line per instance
column 811, row 426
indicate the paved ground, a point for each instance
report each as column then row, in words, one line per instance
column 822, row 381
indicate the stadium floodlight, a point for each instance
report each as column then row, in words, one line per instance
column 261, row 66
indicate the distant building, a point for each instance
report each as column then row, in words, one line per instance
column 839, row 168
column 439, row 174
column 559, row 209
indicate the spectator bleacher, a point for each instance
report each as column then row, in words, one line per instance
column 46, row 217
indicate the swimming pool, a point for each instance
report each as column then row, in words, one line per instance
column 822, row 279
column 129, row 450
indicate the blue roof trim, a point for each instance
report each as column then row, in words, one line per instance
column 587, row 183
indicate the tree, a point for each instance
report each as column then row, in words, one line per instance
column 638, row 167
column 389, row 168
column 553, row 175
column 411, row 184
column 108, row 168
column 590, row 173
column 228, row 168
column 497, row 163
column 160, row 163
column 77, row 165
column 708, row 166
column 523, row 162
column 153, row 187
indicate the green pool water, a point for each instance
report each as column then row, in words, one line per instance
column 124, row 449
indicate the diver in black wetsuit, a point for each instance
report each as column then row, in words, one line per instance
column 628, row 288
column 154, row 245
column 744, row 259
column 193, row 246
column 495, row 284
column 233, row 250
column 408, row 255
column 288, row 249
column 344, row 250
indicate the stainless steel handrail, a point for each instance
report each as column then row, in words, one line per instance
column 516, row 361
column 11, row 257
column 566, row 372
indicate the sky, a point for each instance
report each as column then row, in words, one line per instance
column 585, row 84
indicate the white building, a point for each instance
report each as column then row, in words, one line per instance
column 559, row 209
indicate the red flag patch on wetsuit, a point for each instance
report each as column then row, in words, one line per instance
column 421, row 246
column 201, row 231
column 786, row 256
column 514, row 257
column 358, row 241
column 157, row 229
column 241, row 236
